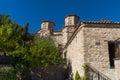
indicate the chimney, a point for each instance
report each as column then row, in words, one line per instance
column 47, row 25
column 71, row 20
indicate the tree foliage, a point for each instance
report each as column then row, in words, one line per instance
column 26, row 51
column 10, row 36
column 7, row 73
column 44, row 52
column 4, row 19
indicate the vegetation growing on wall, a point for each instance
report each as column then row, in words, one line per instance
column 77, row 76
column 85, row 72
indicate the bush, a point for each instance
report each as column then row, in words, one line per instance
column 77, row 76
column 7, row 73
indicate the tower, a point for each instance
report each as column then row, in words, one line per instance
column 70, row 25
column 47, row 28
column 71, row 20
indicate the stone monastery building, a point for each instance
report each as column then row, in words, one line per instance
column 95, row 44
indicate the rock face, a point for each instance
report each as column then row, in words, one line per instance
column 96, row 43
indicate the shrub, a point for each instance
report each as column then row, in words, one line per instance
column 7, row 73
column 77, row 76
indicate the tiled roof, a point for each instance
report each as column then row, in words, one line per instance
column 99, row 22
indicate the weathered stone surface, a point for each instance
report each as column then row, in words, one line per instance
column 88, row 43
column 117, row 69
column 75, row 53
column 96, row 44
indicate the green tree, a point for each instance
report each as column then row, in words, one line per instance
column 28, row 52
column 42, row 54
column 11, row 36
column 12, row 42
column 4, row 19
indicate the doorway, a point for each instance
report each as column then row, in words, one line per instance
column 111, row 48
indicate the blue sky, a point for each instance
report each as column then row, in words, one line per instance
column 35, row 11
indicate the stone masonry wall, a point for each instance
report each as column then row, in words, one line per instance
column 90, row 45
column 75, row 54
column 67, row 32
column 58, row 40
column 117, row 69
column 70, row 31
column 64, row 38
column 96, row 44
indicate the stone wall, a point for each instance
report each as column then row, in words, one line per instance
column 75, row 54
column 67, row 32
column 58, row 39
column 89, row 44
column 64, row 38
column 96, row 44
column 117, row 69
column 70, row 31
